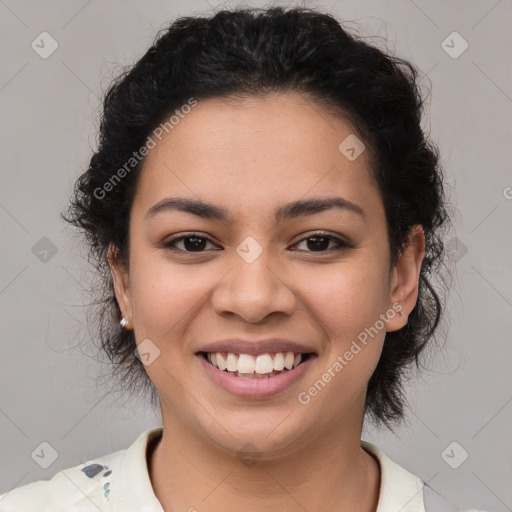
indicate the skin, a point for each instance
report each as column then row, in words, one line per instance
column 250, row 157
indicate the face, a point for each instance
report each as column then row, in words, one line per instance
column 318, row 277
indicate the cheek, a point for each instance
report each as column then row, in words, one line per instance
column 164, row 296
column 346, row 298
column 347, row 304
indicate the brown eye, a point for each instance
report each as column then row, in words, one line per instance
column 191, row 243
column 320, row 242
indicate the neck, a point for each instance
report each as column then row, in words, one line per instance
column 333, row 473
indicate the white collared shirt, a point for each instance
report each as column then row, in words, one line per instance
column 120, row 482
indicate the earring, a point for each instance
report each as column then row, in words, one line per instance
column 401, row 313
column 123, row 322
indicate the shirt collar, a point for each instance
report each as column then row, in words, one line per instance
column 400, row 490
column 137, row 492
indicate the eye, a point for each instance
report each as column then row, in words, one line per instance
column 319, row 242
column 191, row 243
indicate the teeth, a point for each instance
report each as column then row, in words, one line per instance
column 289, row 360
column 232, row 362
column 279, row 361
column 221, row 362
column 264, row 364
column 248, row 366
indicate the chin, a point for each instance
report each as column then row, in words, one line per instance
column 258, row 440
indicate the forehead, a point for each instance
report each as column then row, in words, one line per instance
column 248, row 154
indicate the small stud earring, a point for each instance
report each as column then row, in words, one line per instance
column 123, row 322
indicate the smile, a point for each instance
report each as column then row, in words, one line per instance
column 258, row 376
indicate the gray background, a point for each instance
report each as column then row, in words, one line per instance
column 49, row 112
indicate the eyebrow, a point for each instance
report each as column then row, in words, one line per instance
column 286, row 212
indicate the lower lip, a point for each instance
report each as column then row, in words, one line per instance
column 255, row 388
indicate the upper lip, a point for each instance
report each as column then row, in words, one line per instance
column 266, row 346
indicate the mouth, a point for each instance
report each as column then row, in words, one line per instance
column 256, row 369
column 260, row 376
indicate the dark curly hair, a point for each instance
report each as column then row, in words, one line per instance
column 252, row 52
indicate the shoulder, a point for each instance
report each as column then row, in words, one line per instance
column 71, row 489
column 90, row 486
column 404, row 491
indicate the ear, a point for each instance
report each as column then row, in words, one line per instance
column 121, row 283
column 405, row 278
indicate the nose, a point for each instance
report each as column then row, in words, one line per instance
column 253, row 290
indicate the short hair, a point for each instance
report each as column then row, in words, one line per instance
column 250, row 52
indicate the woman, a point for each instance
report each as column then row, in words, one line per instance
column 266, row 214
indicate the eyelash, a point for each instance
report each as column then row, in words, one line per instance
column 341, row 244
